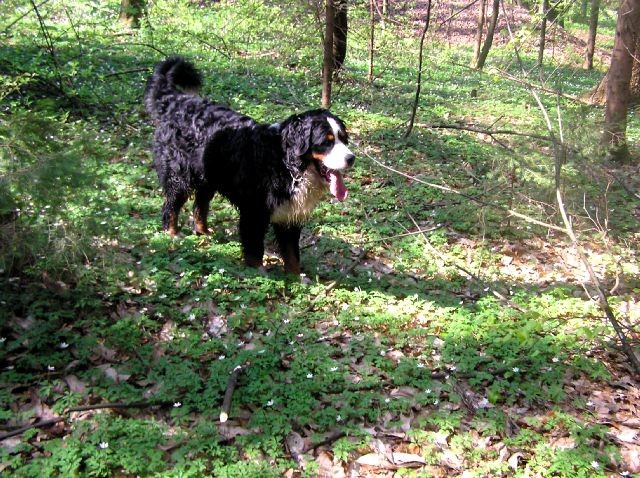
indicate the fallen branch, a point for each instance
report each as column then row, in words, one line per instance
column 228, row 394
column 81, row 408
column 21, row 430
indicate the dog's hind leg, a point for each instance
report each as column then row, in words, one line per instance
column 253, row 228
column 201, row 210
column 288, row 237
column 171, row 210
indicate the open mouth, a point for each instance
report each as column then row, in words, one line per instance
column 334, row 179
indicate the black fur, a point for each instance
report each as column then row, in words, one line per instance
column 203, row 148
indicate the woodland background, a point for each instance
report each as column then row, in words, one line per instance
column 470, row 310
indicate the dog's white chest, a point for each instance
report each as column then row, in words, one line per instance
column 309, row 191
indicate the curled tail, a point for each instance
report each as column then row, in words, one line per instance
column 170, row 76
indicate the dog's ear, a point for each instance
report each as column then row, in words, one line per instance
column 296, row 136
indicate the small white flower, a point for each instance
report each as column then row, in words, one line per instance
column 286, row 321
column 383, row 353
column 420, row 365
column 3, row 340
column 300, row 336
column 241, row 343
column 595, row 465
column 192, row 317
column 63, row 345
column 163, row 296
column 515, row 369
column 452, row 368
column 428, row 390
column 177, row 404
column 50, row 368
column 270, row 403
column 220, row 271
column 103, row 445
column 436, row 402
column 387, row 400
column 221, row 357
column 555, row 360
column 333, row 369
column 309, row 375
column 339, row 418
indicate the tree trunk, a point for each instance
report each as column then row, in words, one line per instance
column 372, row 30
column 484, row 53
column 593, row 30
column 419, row 82
column 619, row 81
column 340, row 31
column 131, row 12
column 479, row 30
column 544, row 10
column 328, row 59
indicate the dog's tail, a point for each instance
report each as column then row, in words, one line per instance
column 170, row 76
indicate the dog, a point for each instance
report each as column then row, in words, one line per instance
column 272, row 173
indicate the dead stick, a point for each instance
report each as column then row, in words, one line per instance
column 42, row 424
column 228, row 394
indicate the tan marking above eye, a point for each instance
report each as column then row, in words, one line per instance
column 331, row 137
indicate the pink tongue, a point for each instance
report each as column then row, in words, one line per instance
column 336, row 186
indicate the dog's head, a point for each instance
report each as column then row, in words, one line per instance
column 318, row 140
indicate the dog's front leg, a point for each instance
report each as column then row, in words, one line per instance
column 253, row 228
column 288, row 237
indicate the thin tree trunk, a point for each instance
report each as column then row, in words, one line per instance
column 341, row 28
column 328, row 60
column 484, row 53
column 619, row 80
column 593, row 30
column 419, row 82
column 372, row 29
column 480, row 28
column 544, row 10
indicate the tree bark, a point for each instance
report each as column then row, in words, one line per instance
column 618, row 92
column 328, row 58
column 341, row 28
column 593, row 30
column 478, row 43
column 484, row 53
column 131, row 12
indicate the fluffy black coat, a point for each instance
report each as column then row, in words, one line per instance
column 272, row 173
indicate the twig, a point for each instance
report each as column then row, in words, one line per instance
column 489, row 132
column 228, row 394
column 471, row 198
column 127, row 72
column 8, row 27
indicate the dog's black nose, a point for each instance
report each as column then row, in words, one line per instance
column 350, row 159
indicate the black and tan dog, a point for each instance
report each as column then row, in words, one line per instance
column 272, row 173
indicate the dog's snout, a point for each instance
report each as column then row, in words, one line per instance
column 350, row 159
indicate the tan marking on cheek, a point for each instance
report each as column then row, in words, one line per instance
column 319, row 156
